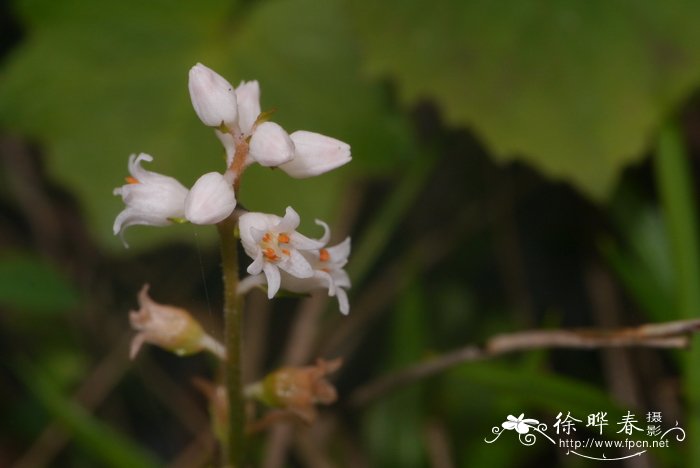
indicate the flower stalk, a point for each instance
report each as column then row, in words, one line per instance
column 235, row 446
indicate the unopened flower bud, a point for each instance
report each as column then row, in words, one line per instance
column 213, row 98
column 298, row 389
column 210, row 200
column 315, row 154
column 270, row 145
column 248, row 98
column 170, row 328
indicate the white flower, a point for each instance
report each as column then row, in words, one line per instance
column 210, row 200
column 522, row 426
column 213, row 98
column 151, row 199
column 327, row 264
column 315, row 154
column 274, row 244
column 301, row 154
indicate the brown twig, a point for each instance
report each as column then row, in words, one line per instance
column 657, row 335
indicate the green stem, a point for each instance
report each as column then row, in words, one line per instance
column 675, row 185
column 234, row 448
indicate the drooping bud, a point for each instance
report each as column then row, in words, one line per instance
column 210, row 200
column 270, row 145
column 170, row 328
column 315, row 154
column 299, row 389
column 213, row 98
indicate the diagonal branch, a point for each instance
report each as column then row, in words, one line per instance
column 674, row 334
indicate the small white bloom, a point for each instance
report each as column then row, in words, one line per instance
column 274, row 244
column 270, row 145
column 327, row 264
column 210, row 200
column 151, row 199
column 248, row 97
column 315, row 154
column 213, row 98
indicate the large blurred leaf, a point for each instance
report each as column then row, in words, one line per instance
column 96, row 81
column 574, row 88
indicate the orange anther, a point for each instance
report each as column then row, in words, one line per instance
column 283, row 238
column 286, row 252
column 131, row 180
column 323, row 255
column 270, row 254
column 266, row 237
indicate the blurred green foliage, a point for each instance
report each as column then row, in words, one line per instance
column 574, row 88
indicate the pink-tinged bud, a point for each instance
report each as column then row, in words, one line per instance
column 213, row 98
column 210, row 200
column 168, row 327
column 270, row 145
column 315, row 154
column 299, row 389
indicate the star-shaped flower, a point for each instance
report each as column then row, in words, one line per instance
column 274, row 244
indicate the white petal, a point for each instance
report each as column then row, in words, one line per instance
column 339, row 252
column 315, row 154
column 273, row 279
column 248, row 97
column 213, row 98
column 509, row 425
column 300, row 241
column 296, row 265
column 253, row 226
column 290, row 221
column 343, row 301
column 250, row 282
column 211, row 199
column 341, row 278
column 270, row 145
column 326, row 232
column 257, row 266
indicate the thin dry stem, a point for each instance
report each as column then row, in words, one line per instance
column 674, row 334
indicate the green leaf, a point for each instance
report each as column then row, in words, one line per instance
column 573, row 88
column 95, row 82
column 22, row 276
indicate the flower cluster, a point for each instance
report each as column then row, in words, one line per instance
column 157, row 200
column 282, row 257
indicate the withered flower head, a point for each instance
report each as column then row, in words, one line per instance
column 169, row 327
column 298, row 389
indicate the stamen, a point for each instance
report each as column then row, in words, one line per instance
column 266, row 237
column 323, row 255
column 286, row 252
column 131, row 180
column 283, row 238
column 270, row 254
